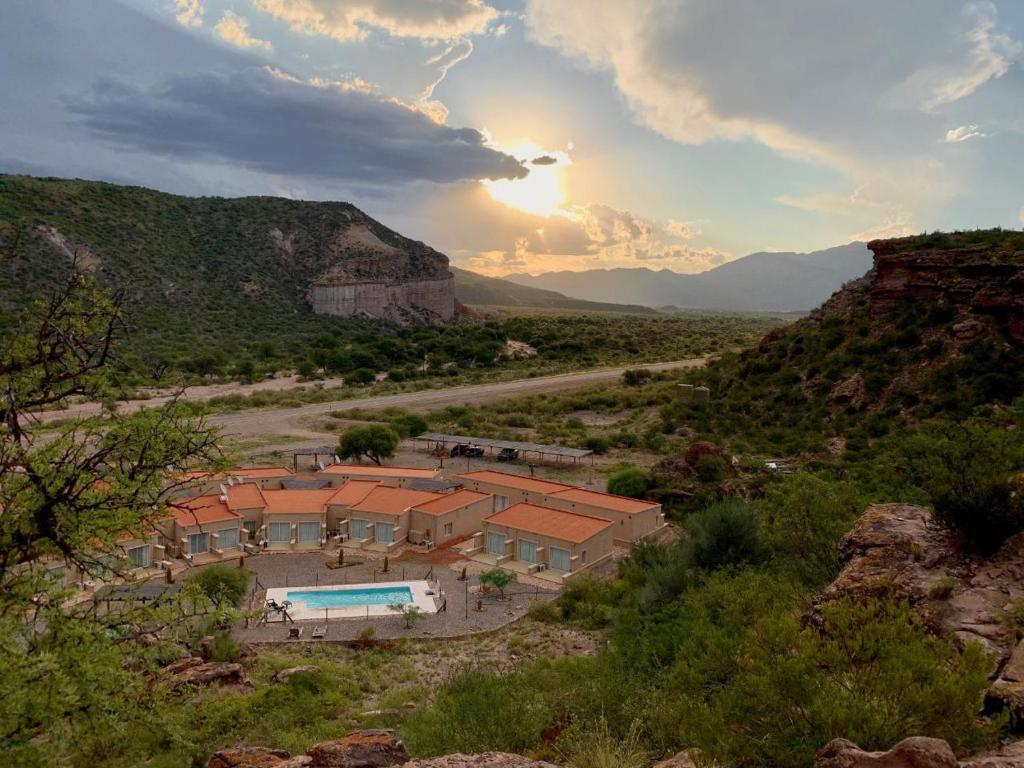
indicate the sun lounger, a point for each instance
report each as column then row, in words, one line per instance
column 319, row 632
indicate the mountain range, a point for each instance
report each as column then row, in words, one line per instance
column 764, row 281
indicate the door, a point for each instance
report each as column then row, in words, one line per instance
column 357, row 528
column 384, row 533
column 280, row 532
column 309, row 532
column 496, row 543
column 527, row 551
column 561, row 560
column 228, row 538
column 139, row 556
column 198, row 543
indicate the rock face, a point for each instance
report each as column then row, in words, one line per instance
column 360, row 749
column 484, row 760
column 915, row 752
column 985, row 277
column 248, row 757
column 405, row 282
column 194, row 671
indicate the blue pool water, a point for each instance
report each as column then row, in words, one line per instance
column 346, row 598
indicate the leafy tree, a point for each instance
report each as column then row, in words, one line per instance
column 725, row 533
column 409, row 612
column 72, row 675
column 361, row 376
column 498, row 578
column 968, row 470
column 410, row 424
column 223, row 583
column 374, row 441
column 629, row 481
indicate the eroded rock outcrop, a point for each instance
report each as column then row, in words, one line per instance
column 360, row 749
column 915, row 752
column 484, row 760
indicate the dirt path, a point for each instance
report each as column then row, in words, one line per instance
column 300, row 422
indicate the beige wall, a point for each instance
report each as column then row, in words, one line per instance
column 513, row 495
column 338, row 480
column 173, row 534
column 628, row 527
column 400, row 521
column 583, row 555
column 465, row 522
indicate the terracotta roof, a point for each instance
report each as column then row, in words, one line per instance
column 201, row 510
column 366, row 470
column 606, row 500
column 245, row 496
column 353, row 492
column 556, row 523
column 515, row 481
column 260, row 472
column 393, row 501
column 450, row 501
column 297, row 502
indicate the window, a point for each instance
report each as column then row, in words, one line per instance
column 139, row 556
column 198, row 543
column 227, row 538
column 251, row 527
column 527, row 551
column 496, row 543
column 560, row 559
column 358, row 529
column 583, row 557
column 309, row 532
column 500, row 502
column 384, row 533
column 449, row 529
column 280, row 531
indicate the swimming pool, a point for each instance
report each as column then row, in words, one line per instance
column 354, row 601
column 357, row 596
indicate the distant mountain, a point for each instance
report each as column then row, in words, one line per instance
column 474, row 289
column 771, row 282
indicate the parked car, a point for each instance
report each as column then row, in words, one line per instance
column 508, row 454
column 465, row 449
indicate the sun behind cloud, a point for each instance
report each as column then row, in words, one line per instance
column 542, row 191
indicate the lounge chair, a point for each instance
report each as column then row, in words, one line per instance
column 319, row 632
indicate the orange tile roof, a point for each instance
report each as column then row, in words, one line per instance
column 556, row 523
column 515, row 481
column 353, row 492
column 297, row 502
column 450, row 501
column 393, row 501
column 365, row 470
column 260, row 472
column 606, row 500
column 245, row 496
column 201, row 510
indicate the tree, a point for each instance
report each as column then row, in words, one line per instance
column 374, row 441
column 629, row 481
column 67, row 498
column 499, row 579
column 223, row 584
column 407, row 611
column 725, row 533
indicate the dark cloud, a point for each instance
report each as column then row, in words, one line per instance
column 277, row 124
column 544, row 160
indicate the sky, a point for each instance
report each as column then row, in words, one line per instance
column 541, row 135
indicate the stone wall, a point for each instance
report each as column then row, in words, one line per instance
column 430, row 300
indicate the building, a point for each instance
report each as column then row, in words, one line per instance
column 450, row 518
column 382, row 518
column 206, row 481
column 634, row 519
column 295, row 520
column 399, row 477
column 532, row 539
column 201, row 530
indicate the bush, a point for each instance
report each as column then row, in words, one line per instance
column 409, row 425
column 224, row 648
column 598, row 445
column 629, row 481
column 725, row 533
column 498, row 578
column 635, row 377
column 361, row 376
column 223, row 584
column 710, row 468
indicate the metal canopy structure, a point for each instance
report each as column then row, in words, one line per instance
column 327, row 451
column 491, row 445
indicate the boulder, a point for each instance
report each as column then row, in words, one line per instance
column 703, row 448
column 1013, row 671
column 1004, row 695
column 849, row 392
column 248, row 757
column 360, row 749
column 683, row 760
column 915, row 752
column 208, row 672
column 484, row 760
column 1009, row 756
column 284, row 674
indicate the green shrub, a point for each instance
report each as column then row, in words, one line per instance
column 711, row 468
column 224, row 648
column 223, row 584
column 598, row 445
column 373, row 441
column 628, row 481
column 725, row 533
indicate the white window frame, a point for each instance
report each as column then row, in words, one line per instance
column 271, row 527
column 552, row 559
column 493, row 536
column 520, row 550
column 390, row 529
column 141, row 561
column 194, row 540
column 448, row 529
column 362, row 526
column 304, row 529
column 232, row 534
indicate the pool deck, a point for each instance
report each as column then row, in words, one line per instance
column 425, row 596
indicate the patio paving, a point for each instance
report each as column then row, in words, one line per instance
column 460, row 618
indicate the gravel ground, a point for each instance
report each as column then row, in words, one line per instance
column 310, row 569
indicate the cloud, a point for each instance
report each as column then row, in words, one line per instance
column 963, row 133
column 265, row 120
column 544, row 160
column 233, row 29
column 448, row 58
column 348, row 20
column 189, row 12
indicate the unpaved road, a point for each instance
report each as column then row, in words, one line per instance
column 300, row 422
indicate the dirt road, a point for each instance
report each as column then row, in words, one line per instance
column 300, row 422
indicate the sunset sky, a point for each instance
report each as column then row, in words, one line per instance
column 545, row 134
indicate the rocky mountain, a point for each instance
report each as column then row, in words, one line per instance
column 474, row 289
column 775, row 282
